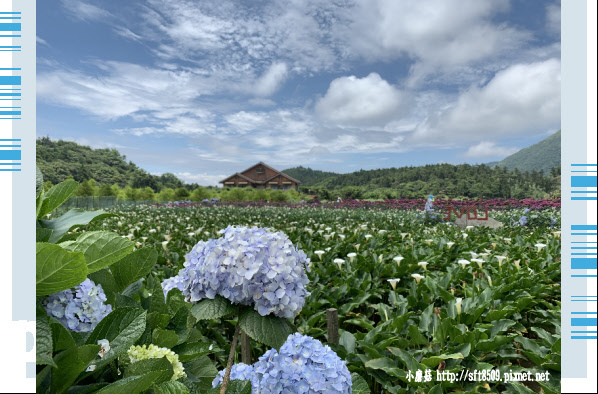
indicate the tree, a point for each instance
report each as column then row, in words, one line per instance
column 199, row 194
column 147, row 194
column 85, row 189
column 105, row 190
column 181, row 193
column 166, row 194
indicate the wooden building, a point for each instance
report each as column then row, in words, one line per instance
column 261, row 176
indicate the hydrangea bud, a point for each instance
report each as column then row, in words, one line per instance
column 138, row 353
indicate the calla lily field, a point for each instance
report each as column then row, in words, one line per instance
column 155, row 298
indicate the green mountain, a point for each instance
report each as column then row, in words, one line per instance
column 542, row 157
column 59, row 160
column 307, row 176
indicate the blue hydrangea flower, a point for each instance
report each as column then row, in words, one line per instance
column 79, row 309
column 303, row 365
column 523, row 221
column 239, row 372
column 248, row 266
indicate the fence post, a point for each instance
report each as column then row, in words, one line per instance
column 332, row 324
column 245, row 349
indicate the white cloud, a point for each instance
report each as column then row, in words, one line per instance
column 436, row 34
column 487, row 149
column 84, row 11
column 522, row 99
column 203, row 179
column 359, row 101
column 272, row 80
column 553, row 17
column 40, row 40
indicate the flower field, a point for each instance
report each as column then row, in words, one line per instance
column 508, row 289
column 416, row 303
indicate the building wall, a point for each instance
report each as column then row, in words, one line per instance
column 253, row 173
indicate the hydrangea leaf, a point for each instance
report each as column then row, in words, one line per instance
column 121, row 301
column 57, row 195
column 74, row 217
column 57, row 269
column 104, row 277
column 69, row 364
column 234, row 387
column 203, row 369
column 133, row 288
column 61, row 337
column 189, row 351
column 164, row 338
column 133, row 267
column 150, row 365
column 121, row 328
column 43, row 339
column 132, row 384
column 358, row 384
column 213, row 309
column 269, row 330
column 172, row 387
column 101, row 248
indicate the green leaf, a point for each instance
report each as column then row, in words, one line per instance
column 57, row 269
column 189, row 351
column 132, row 384
column 173, row 387
column 42, row 380
column 69, row 364
column 121, row 301
column 101, row 248
column 151, row 365
column 39, row 182
column 122, row 327
column 359, row 385
column 347, row 340
column 234, row 387
column 74, row 217
column 105, row 278
column 43, row 339
column 385, row 364
column 416, row 337
column 175, row 301
column 406, row 358
column 133, row 267
column 86, row 389
column 270, row 330
column 203, row 369
column 213, row 309
column 502, row 325
column 164, row 338
column 493, row 344
column 61, row 337
column 42, row 234
column 133, row 288
column 433, row 361
column 57, row 195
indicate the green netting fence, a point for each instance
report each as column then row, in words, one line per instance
column 93, row 203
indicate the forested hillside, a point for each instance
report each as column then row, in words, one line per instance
column 543, row 156
column 59, row 160
column 307, row 176
column 446, row 180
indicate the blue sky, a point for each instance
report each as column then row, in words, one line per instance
column 206, row 89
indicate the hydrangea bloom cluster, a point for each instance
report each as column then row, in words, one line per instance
column 79, row 309
column 303, row 365
column 246, row 266
column 239, row 372
column 137, row 353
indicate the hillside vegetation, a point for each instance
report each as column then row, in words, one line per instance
column 542, row 157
